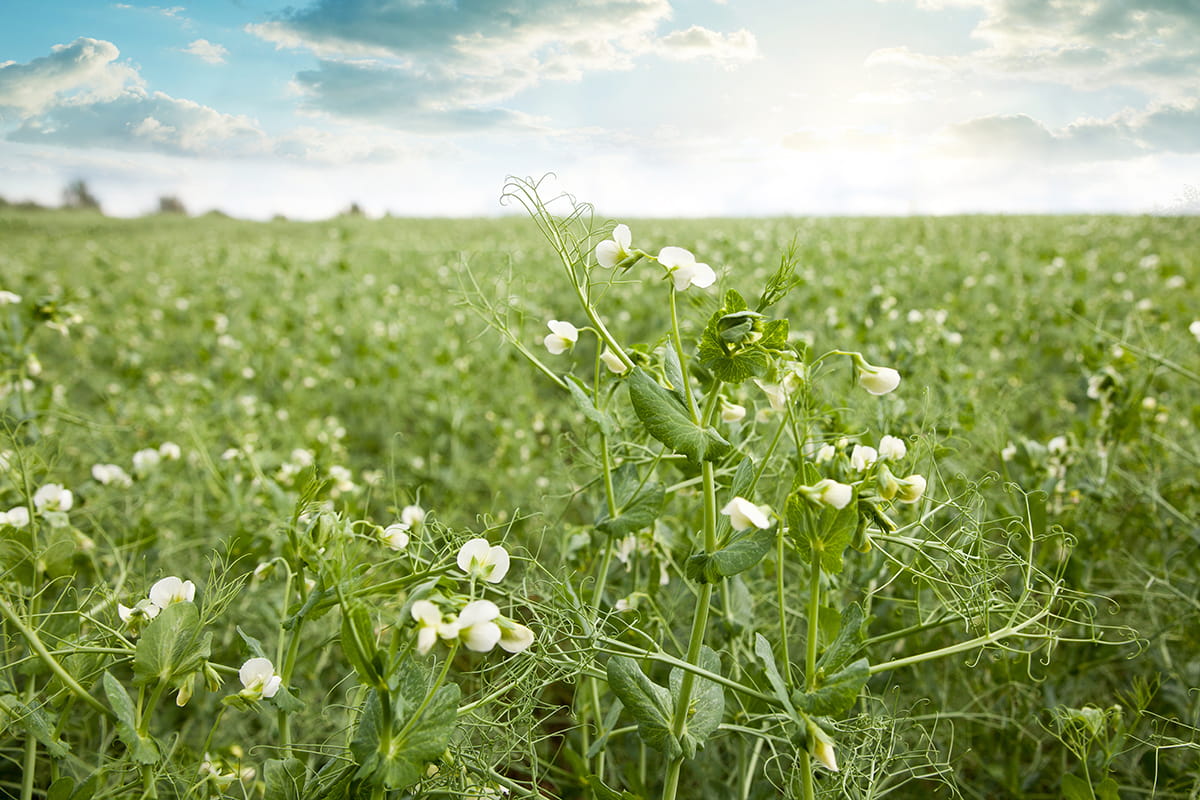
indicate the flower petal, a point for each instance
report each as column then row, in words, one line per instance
column 498, row 557
column 675, row 257
column 478, row 611
column 482, row 637
column 256, row 670
column 474, row 551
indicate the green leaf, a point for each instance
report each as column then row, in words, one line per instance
column 823, row 533
column 601, row 791
column 87, row 790
column 61, row 789
column 286, row 702
column 142, row 749
column 707, row 704
column 735, row 343
column 35, row 723
column 649, row 703
column 172, row 646
column 584, row 403
column 637, row 507
column 775, row 335
column 668, row 421
column 849, row 640
column 364, row 746
column 253, row 645
column 421, row 740
column 739, row 555
column 285, row 778
column 762, row 649
column 1076, row 788
column 1108, row 789
column 836, row 693
column 673, row 372
column 358, row 643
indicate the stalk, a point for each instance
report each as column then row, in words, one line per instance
column 699, row 624
column 810, row 665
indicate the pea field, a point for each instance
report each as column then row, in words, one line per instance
column 550, row 505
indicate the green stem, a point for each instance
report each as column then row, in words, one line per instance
column 783, row 628
column 678, row 343
column 810, row 664
column 970, row 644
column 699, row 620
column 50, row 661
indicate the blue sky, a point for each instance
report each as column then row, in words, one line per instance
column 644, row 107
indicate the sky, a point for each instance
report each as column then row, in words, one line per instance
column 642, row 107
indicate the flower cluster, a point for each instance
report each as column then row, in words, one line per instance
column 477, row 624
column 50, row 501
column 396, row 535
column 163, row 593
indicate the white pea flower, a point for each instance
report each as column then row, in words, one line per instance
column 143, row 610
column 170, row 451
column 862, row 458
column 743, row 514
column 514, row 637
column 827, row 453
column 53, row 497
column 1195, row 329
column 911, row 489
column 111, row 475
column 612, row 252
column 776, row 394
column 877, row 380
column 1008, row 452
column 172, row 590
column 824, row 753
column 412, row 516
column 429, row 625
column 886, row 483
column 395, row 536
column 9, row 298
column 145, row 460
column 1057, row 446
column 477, row 627
column 732, row 412
column 562, row 336
column 827, row 492
column 17, row 517
column 795, row 373
column 613, row 362
column 684, row 269
column 259, row 679
column 481, row 560
column 892, row 448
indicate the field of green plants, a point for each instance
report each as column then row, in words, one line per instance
column 555, row 506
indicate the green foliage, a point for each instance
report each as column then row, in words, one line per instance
column 666, row 419
column 1048, row 395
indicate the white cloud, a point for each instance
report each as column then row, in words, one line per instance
column 207, row 51
column 697, row 42
column 84, row 70
column 1162, row 129
column 452, row 66
column 1153, row 46
column 140, row 120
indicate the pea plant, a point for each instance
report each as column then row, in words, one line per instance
column 752, row 565
column 746, row 549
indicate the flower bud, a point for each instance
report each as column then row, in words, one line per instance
column 912, row 489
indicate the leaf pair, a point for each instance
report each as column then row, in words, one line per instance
column 653, row 706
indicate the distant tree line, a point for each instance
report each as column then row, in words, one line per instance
column 77, row 195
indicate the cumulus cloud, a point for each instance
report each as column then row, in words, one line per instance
column 140, row 120
column 207, row 51
column 1153, row 46
column 1170, row 129
column 697, row 42
column 80, row 97
column 451, row 66
column 83, row 70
